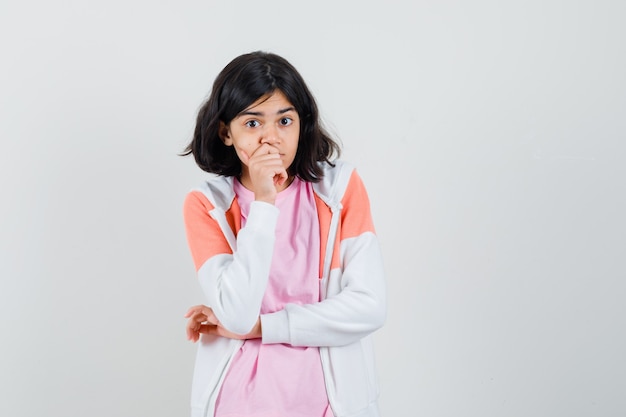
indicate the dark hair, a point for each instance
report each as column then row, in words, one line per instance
column 242, row 82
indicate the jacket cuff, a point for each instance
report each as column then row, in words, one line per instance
column 275, row 327
column 262, row 215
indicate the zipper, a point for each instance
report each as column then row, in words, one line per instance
column 209, row 408
column 328, row 257
column 330, row 244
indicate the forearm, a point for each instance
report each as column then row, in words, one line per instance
column 356, row 308
column 234, row 285
column 319, row 324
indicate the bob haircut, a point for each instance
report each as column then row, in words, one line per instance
column 243, row 81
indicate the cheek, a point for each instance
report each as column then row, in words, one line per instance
column 294, row 138
column 245, row 145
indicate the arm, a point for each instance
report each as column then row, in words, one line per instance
column 356, row 311
column 356, row 305
column 234, row 284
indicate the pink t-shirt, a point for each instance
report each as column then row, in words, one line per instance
column 279, row 379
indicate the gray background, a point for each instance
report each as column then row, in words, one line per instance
column 490, row 135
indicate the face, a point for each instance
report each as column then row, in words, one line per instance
column 272, row 120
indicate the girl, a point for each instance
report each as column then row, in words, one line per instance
column 285, row 250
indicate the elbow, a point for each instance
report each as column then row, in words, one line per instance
column 379, row 316
column 376, row 309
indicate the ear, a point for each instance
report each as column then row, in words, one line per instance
column 224, row 134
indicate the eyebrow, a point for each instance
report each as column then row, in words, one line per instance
column 258, row 113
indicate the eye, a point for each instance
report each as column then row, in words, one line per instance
column 286, row 121
column 252, row 123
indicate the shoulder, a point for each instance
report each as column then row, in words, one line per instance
column 217, row 192
column 336, row 178
column 196, row 206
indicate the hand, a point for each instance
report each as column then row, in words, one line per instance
column 266, row 172
column 203, row 320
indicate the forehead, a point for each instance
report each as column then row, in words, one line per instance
column 274, row 100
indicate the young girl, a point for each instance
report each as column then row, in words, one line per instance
column 284, row 245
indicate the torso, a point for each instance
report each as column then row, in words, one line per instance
column 279, row 379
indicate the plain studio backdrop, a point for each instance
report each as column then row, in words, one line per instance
column 491, row 137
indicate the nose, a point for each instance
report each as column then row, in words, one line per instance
column 270, row 135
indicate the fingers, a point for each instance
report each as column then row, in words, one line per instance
column 193, row 334
column 213, row 329
column 281, row 177
column 196, row 309
column 193, row 310
column 264, row 149
column 193, row 326
column 265, row 162
column 200, row 319
column 245, row 158
column 198, row 324
column 201, row 310
column 266, row 170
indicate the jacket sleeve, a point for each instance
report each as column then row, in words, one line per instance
column 356, row 305
column 233, row 283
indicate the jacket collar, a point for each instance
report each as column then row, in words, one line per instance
column 333, row 185
column 220, row 191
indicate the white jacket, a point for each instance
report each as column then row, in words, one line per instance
column 233, row 267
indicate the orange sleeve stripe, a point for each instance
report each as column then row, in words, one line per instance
column 356, row 217
column 324, row 214
column 204, row 236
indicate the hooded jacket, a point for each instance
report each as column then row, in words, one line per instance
column 233, row 267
